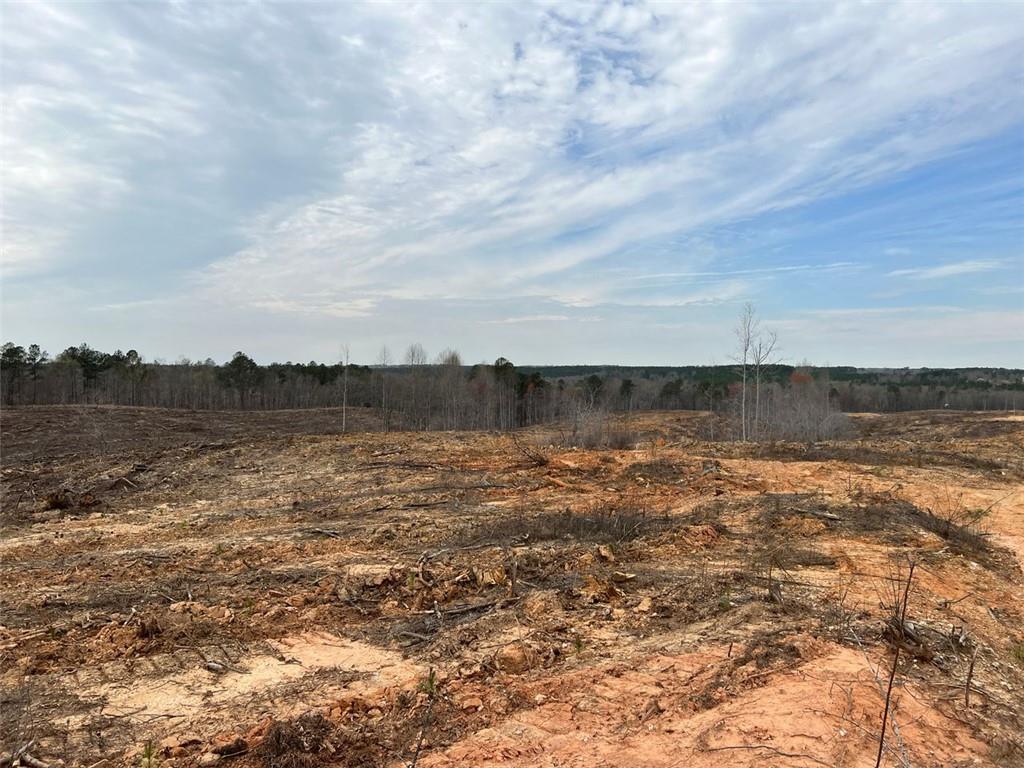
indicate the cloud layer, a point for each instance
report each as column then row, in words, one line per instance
column 377, row 166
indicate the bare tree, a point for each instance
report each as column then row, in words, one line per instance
column 746, row 334
column 415, row 355
column 416, row 409
column 763, row 350
column 344, row 388
column 450, row 381
column 383, row 361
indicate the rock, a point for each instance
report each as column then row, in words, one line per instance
column 515, row 658
column 472, row 704
column 209, row 758
column 646, row 605
column 620, row 576
column 605, row 553
column 585, row 560
column 296, row 601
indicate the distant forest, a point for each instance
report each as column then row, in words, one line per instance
column 446, row 394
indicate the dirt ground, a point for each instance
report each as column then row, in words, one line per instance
column 262, row 591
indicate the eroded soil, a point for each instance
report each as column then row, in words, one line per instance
column 262, row 590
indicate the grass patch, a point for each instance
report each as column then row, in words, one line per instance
column 593, row 526
column 1017, row 653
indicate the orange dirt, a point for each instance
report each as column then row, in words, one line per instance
column 185, row 589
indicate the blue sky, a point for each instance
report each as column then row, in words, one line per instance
column 555, row 183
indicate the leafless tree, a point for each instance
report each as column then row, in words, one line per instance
column 451, row 381
column 416, row 410
column 746, row 334
column 383, row 361
column 415, row 355
column 344, row 388
column 763, row 350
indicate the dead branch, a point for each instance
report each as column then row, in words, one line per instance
column 325, row 532
column 970, row 674
column 467, row 608
column 885, row 712
column 415, row 636
column 536, row 458
column 424, row 724
column 768, row 748
column 22, row 756
column 895, row 663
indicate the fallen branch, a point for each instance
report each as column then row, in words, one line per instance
column 824, row 515
column 325, row 532
column 467, row 608
column 415, row 635
column 773, row 750
column 22, row 756
column 428, row 556
column 32, row 762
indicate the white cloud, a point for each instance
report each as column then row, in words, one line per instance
column 80, row 106
column 490, row 174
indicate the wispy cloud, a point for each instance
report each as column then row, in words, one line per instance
column 925, row 309
column 952, row 269
column 779, row 270
column 527, row 319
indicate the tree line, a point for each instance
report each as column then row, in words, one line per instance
column 759, row 393
column 413, row 394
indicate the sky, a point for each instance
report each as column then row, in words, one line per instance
column 551, row 183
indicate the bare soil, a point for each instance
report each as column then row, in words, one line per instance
column 260, row 590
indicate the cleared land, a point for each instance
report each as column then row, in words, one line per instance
column 260, row 590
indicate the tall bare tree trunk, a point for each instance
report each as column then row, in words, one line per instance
column 344, row 392
column 746, row 331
